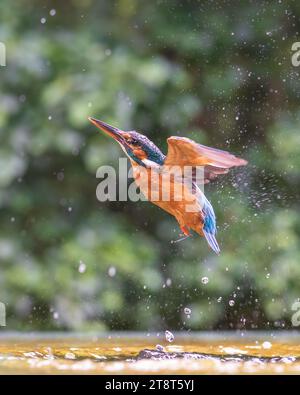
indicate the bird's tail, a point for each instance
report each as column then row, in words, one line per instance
column 212, row 241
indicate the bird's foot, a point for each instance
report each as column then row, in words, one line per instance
column 181, row 238
column 184, row 235
column 185, row 230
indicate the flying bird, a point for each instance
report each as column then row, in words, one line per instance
column 151, row 167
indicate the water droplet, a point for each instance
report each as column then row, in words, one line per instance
column 43, row 21
column 55, row 315
column 70, row 355
column 204, row 280
column 168, row 282
column 266, row 345
column 52, row 12
column 169, row 336
column 231, row 303
column 219, row 299
column 60, row 176
column 112, row 271
column 81, row 267
column 50, row 117
column 187, row 311
column 159, row 348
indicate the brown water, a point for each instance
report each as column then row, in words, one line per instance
column 137, row 354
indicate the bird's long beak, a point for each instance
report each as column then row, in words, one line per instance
column 113, row 132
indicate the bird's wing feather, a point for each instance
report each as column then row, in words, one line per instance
column 183, row 151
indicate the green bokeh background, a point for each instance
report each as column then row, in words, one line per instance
column 219, row 72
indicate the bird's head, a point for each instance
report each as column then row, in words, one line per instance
column 136, row 146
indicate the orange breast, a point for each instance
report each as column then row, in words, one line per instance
column 171, row 195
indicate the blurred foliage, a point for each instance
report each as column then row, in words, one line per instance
column 214, row 71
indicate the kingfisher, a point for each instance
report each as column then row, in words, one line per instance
column 151, row 167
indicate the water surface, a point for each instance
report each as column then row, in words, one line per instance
column 193, row 353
